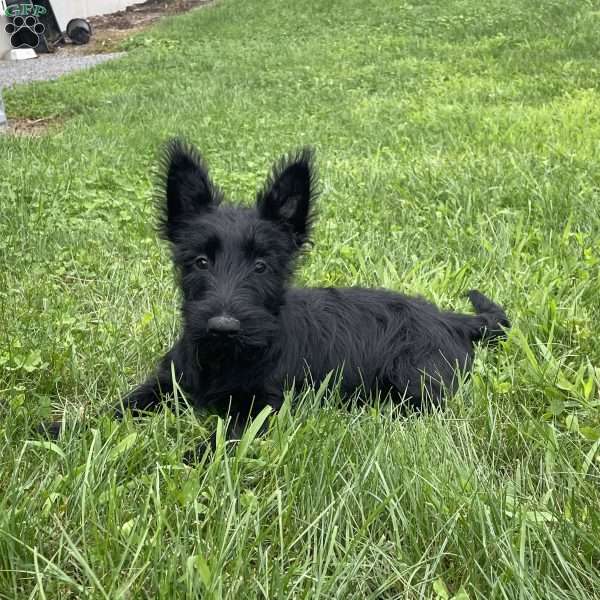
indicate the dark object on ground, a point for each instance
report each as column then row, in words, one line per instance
column 79, row 31
column 247, row 334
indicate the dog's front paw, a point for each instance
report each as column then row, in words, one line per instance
column 208, row 446
column 50, row 429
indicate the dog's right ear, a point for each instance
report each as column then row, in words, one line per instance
column 185, row 187
column 289, row 194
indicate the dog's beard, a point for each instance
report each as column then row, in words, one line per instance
column 249, row 345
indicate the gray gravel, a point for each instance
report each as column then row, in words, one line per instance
column 48, row 67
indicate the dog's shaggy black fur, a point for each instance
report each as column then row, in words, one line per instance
column 247, row 334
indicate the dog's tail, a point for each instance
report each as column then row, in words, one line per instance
column 491, row 318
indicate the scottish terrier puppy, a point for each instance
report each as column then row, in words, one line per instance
column 247, row 334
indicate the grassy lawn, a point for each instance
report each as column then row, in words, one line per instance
column 458, row 144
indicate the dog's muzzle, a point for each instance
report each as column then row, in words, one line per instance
column 223, row 325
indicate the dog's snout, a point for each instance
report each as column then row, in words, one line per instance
column 223, row 324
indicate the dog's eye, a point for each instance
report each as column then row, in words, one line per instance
column 201, row 262
column 260, row 266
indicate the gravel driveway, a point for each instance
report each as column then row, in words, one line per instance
column 48, row 67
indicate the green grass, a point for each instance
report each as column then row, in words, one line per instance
column 458, row 147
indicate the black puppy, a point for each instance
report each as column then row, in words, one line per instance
column 247, row 334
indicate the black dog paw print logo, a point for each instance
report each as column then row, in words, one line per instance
column 24, row 32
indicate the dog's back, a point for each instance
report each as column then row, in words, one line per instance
column 379, row 340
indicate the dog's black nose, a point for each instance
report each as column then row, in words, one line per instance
column 227, row 325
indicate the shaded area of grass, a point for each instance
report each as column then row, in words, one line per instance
column 458, row 148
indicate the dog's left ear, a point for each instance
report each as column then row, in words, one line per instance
column 185, row 190
column 288, row 195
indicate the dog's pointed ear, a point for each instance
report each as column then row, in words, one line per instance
column 185, row 188
column 289, row 194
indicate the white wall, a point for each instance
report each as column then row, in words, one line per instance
column 65, row 10
column 4, row 37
